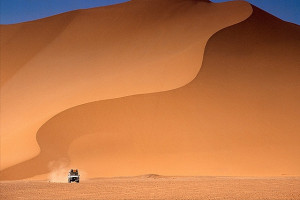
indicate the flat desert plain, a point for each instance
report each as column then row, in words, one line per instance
column 158, row 187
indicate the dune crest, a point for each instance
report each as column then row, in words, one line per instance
column 238, row 117
column 101, row 53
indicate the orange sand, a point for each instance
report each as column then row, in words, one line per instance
column 158, row 187
column 239, row 116
column 59, row 62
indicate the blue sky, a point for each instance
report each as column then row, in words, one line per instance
column 15, row 11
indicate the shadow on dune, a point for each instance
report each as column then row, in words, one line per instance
column 245, row 100
column 34, row 35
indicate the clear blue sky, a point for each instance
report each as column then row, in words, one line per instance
column 15, row 11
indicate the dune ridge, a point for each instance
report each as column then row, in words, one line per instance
column 17, row 39
column 239, row 116
column 149, row 47
column 41, row 160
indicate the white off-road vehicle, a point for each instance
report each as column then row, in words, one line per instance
column 73, row 176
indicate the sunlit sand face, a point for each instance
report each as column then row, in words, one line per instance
column 150, row 48
column 88, row 55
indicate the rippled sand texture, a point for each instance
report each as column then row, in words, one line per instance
column 157, row 187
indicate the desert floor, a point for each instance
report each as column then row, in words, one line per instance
column 158, row 187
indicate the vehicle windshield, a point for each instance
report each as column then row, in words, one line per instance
column 73, row 172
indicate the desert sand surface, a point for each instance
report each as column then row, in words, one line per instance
column 53, row 64
column 238, row 117
column 143, row 105
column 158, row 187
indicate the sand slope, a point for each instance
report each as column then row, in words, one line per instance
column 59, row 62
column 239, row 116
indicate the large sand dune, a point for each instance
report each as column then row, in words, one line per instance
column 56, row 63
column 239, row 116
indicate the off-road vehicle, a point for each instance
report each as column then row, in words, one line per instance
column 73, row 176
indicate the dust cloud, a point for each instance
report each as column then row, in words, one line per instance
column 59, row 171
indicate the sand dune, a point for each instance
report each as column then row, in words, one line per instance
column 59, row 62
column 239, row 116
